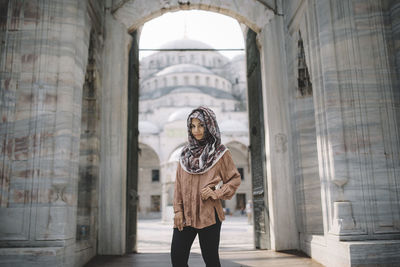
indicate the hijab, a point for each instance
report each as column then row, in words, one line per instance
column 198, row 156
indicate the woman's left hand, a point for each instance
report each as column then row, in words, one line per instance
column 207, row 192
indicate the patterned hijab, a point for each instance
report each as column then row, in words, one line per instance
column 200, row 155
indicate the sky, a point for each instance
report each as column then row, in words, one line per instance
column 216, row 30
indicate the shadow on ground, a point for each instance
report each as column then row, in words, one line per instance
column 151, row 260
column 250, row 258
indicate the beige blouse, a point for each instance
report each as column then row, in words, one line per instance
column 196, row 212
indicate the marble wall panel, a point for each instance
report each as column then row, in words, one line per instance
column 305, row 155
column 359, row 118
column 39, row 116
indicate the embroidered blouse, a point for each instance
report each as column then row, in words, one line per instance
column 196, row 212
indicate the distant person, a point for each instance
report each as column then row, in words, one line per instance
column 228, row 211
column 203, row 163
column 249, row 211
column 242, row 211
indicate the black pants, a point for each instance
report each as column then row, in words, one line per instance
column 209, row 242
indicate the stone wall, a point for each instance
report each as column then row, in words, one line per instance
column 44, row 52
column 351, row 50
column 305, row 156
column 348, row 50
column 89, row 153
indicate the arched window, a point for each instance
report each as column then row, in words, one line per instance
column 208, row 81
column 196, row 79
column 175, row 79
column 186, row 80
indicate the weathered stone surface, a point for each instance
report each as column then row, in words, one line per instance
column 112, row 221
column 255, row 15
column 351, row 49
column 42, row 73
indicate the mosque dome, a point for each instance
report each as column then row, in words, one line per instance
column 240, row 57
column 148, row 127
column 176, row 154
column 180, row 114
column 185, row 44
column 183, row 68
column 232, row 126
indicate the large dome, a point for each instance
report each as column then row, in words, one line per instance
column 185, row 44
column 182, row 68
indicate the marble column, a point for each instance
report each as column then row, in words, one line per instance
column 356, row 122
column 113, row 155
column 283, row 228
column 43, row 61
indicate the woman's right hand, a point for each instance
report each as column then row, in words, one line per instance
column 178, row 220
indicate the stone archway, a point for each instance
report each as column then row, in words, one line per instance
column 257, row 17
column 133, row 14
column 352, row 69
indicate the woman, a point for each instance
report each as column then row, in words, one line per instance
column 203, row 164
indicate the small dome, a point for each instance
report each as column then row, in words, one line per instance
column 147, row 127
column 232, row 126
column 175, row 155
column 180, row 114
column 185, row 44
column 240, row 57
column 183, row 68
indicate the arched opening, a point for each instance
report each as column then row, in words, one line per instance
column 272, row 165
column 191, row 92
column 64, row 61
column 241, row 158
column 149, row 183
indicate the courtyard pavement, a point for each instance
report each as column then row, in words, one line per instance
column 236, row 249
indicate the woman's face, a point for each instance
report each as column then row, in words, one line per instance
column 197, row 129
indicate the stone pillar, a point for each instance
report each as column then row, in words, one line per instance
column 356, row 119
column 113, row 159
column 43, row 61
column 284, row 234
column 395, row 19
